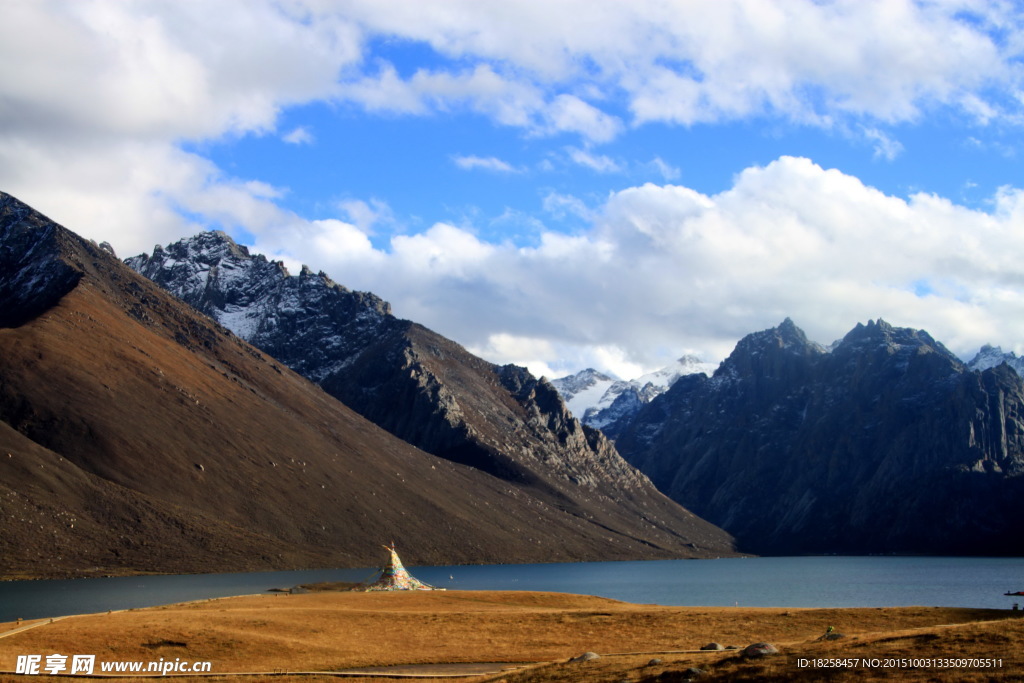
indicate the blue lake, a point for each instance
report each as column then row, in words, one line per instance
column 747, row 582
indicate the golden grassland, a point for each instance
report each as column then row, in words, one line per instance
column 331, row 631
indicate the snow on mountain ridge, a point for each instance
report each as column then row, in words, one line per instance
column 583, row 390
column 990, row 356
column 599, row 399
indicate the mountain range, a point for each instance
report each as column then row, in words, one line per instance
column 885, row 443
column 138, row 434
column 790, row 446
column 202, row 409
column 608, row 404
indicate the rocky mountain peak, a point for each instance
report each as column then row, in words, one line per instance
column 882, row 333
column 208, row 247
column 777, row 352
column 261, row 302
column 785, row 337
column 584, row 379
column 883, row 352
column 39, row 261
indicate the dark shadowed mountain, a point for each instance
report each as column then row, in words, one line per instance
column 139, row 435
column 887, row 443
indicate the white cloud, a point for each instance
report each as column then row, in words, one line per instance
column 368, row 216
column 885, row 147
column 531, row 352
column 508, row 100
column 471, row 162
column 561, row 205
column 481, row 89
column 299, row 136
column 185, row 69
column 600, row 163
column 130, row 194
column 663, row 269
column 568, row 113
column 713, row 60
column 97, row 98
column 443, row 250
column 665, row 170
column 546, row 359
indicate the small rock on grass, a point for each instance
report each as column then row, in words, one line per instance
column 758, row 650
column 586, row 657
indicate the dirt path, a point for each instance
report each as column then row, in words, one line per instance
column 41, row 622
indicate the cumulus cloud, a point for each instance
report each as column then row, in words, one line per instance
column 132, row 194
column 707, row 61
column 142, row 70
column 577, row 67
column 664, row 270
column 96, row 73
column 530, row 351
column 98, row 98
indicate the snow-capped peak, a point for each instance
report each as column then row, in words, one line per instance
column 597, row 399
column 307, row 321
column 991, row 356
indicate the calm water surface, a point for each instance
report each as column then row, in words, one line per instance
column 749, row 582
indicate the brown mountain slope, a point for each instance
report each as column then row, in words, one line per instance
column 422, row 387
column 139, row 435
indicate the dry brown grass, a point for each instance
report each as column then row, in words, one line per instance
column 331, row 631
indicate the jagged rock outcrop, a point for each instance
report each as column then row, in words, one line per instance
column 888, row 443
column 425, row 388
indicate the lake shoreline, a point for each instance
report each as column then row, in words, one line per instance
column 823, row 581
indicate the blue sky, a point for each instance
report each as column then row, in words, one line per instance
column 557, row 184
